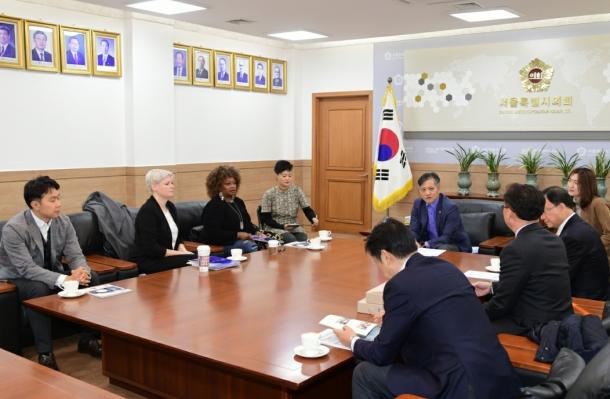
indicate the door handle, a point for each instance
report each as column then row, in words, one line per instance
column 365, row 175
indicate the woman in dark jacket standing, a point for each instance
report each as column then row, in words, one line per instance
column 157, row 243
column 226, row 221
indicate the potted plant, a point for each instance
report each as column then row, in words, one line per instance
column 601, row 169
column 531, row 161
column 465, row 159
column 493, row 160
column 559, row 159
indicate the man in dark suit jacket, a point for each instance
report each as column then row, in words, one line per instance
column 201, row 72
column 39, row 52
column 534, row 284
column 6, row 48
column 435, row 219
column 73, row 55
column 586, row 253
column 222, row 74
column 179, row 67
column 32, row 246
column 434, row 323
column 104, row 58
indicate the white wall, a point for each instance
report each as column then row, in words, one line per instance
column 348, row 68
column 69, row 121
column 50, row 120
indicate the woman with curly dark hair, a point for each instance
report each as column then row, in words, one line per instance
column 225, row 219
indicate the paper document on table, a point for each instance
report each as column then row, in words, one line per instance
column 362, row 328
column 430, row 251
column 329, row 338
column 495, row 277
column 106, row 290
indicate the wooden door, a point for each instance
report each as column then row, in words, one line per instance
column 341, row 164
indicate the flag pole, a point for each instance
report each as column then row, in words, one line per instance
column 387, row 210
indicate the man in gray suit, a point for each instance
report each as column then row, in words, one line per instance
column 32, row 246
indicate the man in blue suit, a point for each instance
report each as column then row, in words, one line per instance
column 433, row 323
column 105, row 59
column 179, row 68
column 39, row 52
column 435, row 219
column 7, row 50
column 222, row 74
column 73, row 55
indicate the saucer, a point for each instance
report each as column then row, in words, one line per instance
column 237, row 259
column 321, row 351
column 494, row 269
column 321, row 247
column 75, row 294
column 326, row 239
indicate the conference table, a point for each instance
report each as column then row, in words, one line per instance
column 21, row 378
column 231, row 333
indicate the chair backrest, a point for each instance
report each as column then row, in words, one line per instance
column 189, row 215
column 258, row 216
column 594, row 381
column 499, row 228
column 565, row 371
column 89, row 237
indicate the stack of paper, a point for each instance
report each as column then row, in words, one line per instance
column 430, row 251
column 482, row 275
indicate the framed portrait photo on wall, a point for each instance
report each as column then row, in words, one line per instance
column 278, row 76
column 11, row 42
column 203, row 66
column 243, row 75
column 107, row 60
column 181, row 64
column 75, row 50
column 223, row 64
column 260, row 72
column 41, row 46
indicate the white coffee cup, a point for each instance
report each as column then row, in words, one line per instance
column 315, row 242
column 236, row 253
column 70, row 286
column 325, row 234
column 495, row 262
column 310, row 342
column 273, row 243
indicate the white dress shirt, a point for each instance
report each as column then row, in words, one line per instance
column 562, row 225
column 172, row 226
column 44, row 230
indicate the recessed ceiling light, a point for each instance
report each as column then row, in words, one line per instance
column 167, row 7
column 297, row 35
column 487, row 15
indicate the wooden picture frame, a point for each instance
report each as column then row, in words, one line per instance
column 181, row 64
column 278, row 77
column 106, row 55
column 41, row 46
column 11, row 42
column 260, row 74
column 223, row 66
column 242, row 70
column 203, row 67
column 75, row 50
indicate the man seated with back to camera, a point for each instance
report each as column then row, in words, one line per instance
column 32, row 246
column 586, row 253
column 435, row 340
column 435, row 219
column 534, row 285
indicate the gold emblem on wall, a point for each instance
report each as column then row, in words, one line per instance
column 536, row 76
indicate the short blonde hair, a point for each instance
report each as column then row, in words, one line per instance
column 154, row 176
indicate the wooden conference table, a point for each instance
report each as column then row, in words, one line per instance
column 231, row 333
column 22, row 378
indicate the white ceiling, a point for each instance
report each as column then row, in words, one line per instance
column 359, row 19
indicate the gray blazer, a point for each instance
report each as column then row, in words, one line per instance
column 22, row 249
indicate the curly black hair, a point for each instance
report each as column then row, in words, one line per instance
column 217, row 177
